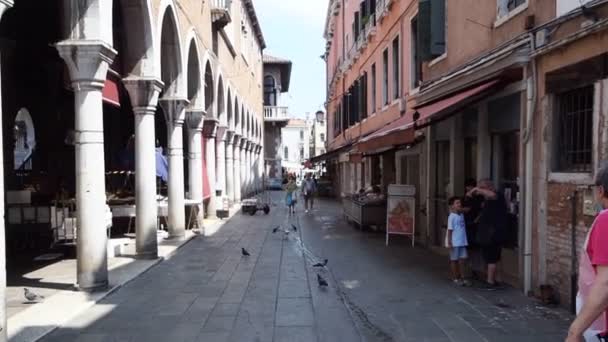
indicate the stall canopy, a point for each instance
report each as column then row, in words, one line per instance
column 398, row 132
column 402, row 130
column 441, row 109
column 330, row 154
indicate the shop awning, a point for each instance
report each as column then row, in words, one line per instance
column 330, row 154
column 110, row 93
column 436, row 111
column 398, row 132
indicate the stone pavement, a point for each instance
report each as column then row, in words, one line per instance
column 209, row 292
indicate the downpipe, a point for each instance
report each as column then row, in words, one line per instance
column 573, row 268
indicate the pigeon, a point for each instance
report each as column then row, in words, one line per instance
column 321, row 264
column 275, row 229
column 295, row 229
column 244, row 252
column 31, row 296
column 322, row 282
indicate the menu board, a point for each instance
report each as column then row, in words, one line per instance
column 401, row 211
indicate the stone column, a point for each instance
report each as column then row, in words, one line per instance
column 175, row 115
column 194, row 122
column 220, row 166
column 88, row 63
column 250, row 168
column 230, row 166
column 236, row 169
column 143, row 93
column 258, row 170
column 243, row 152
column 4, row 4
column 210, row 131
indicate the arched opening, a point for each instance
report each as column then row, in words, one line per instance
column 237, row 116
column 170, row 69
column 221, row 114
column 270, row 92
column 194, row 75
column 25, row 141
column 229, row 109
column 209, row 96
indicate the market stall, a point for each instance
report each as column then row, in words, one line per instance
column 366, row 208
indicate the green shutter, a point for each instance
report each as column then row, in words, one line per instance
column 424, row 30
column 437, row 27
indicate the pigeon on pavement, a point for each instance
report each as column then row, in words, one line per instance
column 31, row 296
column 323, row 264
column 244, row 252
column 295, row 229
column 322, row 282
column 275, row 229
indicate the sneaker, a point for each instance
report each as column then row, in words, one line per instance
column 306, row 211
column 457, row 282
column 466, row 283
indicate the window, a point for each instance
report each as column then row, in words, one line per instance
column 301, row 153
column 385, row 77
column 507, row 6
column 286, row 153
column 396, row 68
column 322, row 136
column 322, row 151
column 373, row 88
column 301, row 134
column 575, row 130
column 270, row 94
column 431, row 29
column 416, row 67
column 363, row 88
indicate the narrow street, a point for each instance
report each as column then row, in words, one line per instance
column 209, row 292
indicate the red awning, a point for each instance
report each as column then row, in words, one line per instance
column 436, row 110
column 110, row 92
column 206, row 188
column 398, row 132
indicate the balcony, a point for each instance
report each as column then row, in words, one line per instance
column 220, row 12
column 275, row 114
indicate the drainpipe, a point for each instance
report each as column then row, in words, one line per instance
column 531, row 98
column 573, row 268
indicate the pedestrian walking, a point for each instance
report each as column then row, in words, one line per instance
column 591, row 322
column 290, row 196
column 308, row 189
column 456, row 240
column 492, row 226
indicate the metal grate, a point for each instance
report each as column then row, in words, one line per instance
column 575, row 139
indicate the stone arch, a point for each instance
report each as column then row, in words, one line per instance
column 243, row 120
column 193, row 73
column 137, row 51
column 209, row 91
column 170, row 52
column 221, row 101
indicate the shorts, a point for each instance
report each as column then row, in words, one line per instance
column 491, row 253
column 457, row 253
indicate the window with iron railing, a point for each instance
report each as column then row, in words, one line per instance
column 574, row 143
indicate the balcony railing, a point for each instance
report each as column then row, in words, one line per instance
column 275, row 113
column 220, row 12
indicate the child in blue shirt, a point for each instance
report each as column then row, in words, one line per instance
column 457, row 241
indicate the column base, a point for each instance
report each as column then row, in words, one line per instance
column 97, row 287
column 176, row 236
column 146, row 255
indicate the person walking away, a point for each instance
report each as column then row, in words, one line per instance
column 457, row 241
column 491, row 230
column 290, row 197
column 309, row 188
column 591, row 322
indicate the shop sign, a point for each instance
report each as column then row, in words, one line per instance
column 401, row 211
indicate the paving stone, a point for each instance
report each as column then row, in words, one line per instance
column 295, row 334
column 219, row 323
column 294, row 312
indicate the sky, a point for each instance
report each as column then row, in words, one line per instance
column 293, row 29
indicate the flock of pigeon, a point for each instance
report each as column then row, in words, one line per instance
column 320, row 280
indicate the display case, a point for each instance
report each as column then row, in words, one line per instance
column 365, row 214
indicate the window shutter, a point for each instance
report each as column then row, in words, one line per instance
column 356, row 26
column 437, row 27
column 424, row 30
column 364, row 95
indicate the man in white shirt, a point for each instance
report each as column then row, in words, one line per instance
column 308, row 189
